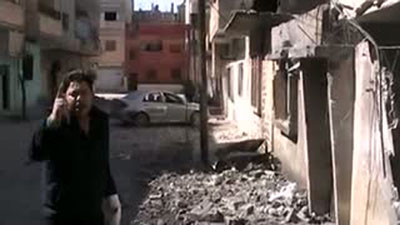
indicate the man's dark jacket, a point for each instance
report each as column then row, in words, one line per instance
column 77, row 171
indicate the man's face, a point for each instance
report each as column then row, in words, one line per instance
column 79, row 98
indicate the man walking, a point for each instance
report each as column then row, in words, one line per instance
column 73, row 143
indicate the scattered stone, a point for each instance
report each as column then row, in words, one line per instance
column 255, row 195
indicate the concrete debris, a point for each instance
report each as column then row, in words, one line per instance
column 255, row 195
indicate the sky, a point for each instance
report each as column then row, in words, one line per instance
column 164, row 5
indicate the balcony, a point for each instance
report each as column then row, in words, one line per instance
column 112, row 25
column 11, row 14
column 50, row 22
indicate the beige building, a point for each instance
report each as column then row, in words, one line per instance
column 40, row 40
column 67, row 32
column 115, row 15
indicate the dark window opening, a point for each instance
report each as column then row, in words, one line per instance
column 153, row 46
column 5, row 87
column 27, row 67
column 110, row 16
column 111, row 45
column 265, row 6
column 229, row 84
column 285, row 98
column 256, row 84
column 240, row 79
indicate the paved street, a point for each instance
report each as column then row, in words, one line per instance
column 136, row 154
column 139, row 157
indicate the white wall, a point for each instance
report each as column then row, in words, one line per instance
column 109, row 79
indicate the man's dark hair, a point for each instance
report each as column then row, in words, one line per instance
column 78, row 76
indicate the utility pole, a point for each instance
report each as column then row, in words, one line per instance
column 203, row 85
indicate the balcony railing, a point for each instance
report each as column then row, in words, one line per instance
column 49, row 11
column 11, row 14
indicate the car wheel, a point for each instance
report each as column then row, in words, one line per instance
column 141, row 119
column 195, row 119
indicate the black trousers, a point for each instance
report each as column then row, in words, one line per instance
column 67, row 220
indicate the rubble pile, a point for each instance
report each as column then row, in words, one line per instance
column 253, row 195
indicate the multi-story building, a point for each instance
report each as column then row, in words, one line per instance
column 42, row 40
column 67, row 32
column 12, row 34
column 156, row 52
column 115, row 17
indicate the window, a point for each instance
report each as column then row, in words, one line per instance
column 153, row 97
column 285, row 98
column 170, row 98
column 175, row 48
column 132, row 54
column 110, row 16
column 240, row 79
column 27, row 67
column 111, row 45
column 176, row 74
column 65, row 22
column 229, row 84
column 256, row 84
column 5, row 86
column 152, row 46
column 151, row 75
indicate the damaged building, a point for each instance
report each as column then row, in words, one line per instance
column 318, row 80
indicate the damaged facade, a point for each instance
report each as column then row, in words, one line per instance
column 317, row 80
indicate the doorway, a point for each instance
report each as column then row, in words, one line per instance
column 5, row 87
column 133, row 82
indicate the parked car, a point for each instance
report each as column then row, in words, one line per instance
column 145, row 107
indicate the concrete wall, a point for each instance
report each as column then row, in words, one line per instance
column 292, row 154
column 306, row 159
column 341, row 88
column 110, row 79
column 240, row 109
column 372, row 180
column 267, row 102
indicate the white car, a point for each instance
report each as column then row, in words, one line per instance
column 145, row 107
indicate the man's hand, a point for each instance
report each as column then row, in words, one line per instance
column 60, row 109
column 112, row 210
